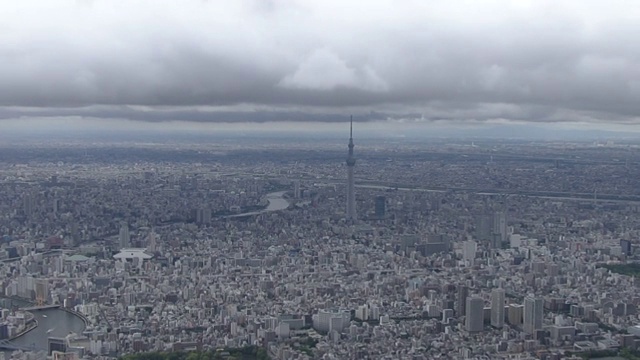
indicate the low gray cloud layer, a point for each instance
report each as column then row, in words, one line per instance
column 319, row 60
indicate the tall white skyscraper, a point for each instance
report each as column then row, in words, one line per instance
column 296, row 189
column 469, row 249
column 29, row 204
column 124, row 238
column 474, row 318
column 351, row 188
column 533, row 314
column 151, row 244
column 499, row 229
column 497, row 308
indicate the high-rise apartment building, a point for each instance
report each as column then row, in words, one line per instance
column 499, row 230
column 380, row 207
column 469, row 249
column 533, row 314
column 492, row 229
column 461, row 300
column 29, row 204
column 515, row 314
column 474, row 319
column 296, row 189
column 124, row 238
column 497, row 308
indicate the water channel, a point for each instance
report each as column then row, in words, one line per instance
column 276, row 202
column 51, row 323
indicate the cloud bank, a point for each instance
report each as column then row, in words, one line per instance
column 293, row 60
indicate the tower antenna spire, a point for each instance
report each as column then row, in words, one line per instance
column 351, row 127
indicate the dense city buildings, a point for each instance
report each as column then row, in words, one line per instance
column 174, row 182
column 189, row 247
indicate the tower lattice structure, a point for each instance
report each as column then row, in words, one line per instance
column 351, row 191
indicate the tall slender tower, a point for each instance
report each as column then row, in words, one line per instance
column 351, row 190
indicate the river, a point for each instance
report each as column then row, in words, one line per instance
column 276, row 202
column 51, row 323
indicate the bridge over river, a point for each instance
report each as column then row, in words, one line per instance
column 8, row 345
column 45, row 307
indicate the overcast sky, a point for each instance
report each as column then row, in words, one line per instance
column 199, row 61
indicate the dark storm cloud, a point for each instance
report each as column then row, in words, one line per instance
column 303, row 60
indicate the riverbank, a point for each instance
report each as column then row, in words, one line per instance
column 45, row 323
column 52, row 322
column 33, row 324
column 84, row 319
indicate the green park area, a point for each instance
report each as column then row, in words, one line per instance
column 631, row 269
column 622, row 354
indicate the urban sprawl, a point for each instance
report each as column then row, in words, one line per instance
column 436, row 249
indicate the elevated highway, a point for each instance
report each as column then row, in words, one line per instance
column 43, row 307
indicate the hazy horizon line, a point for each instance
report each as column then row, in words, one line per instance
column 68, row 128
